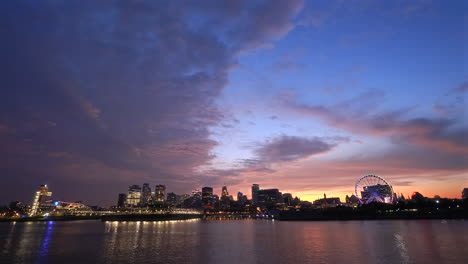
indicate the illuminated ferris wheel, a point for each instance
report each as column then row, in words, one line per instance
column 372, row 188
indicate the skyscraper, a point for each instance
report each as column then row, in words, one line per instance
column 121, row 200
column 240, row 196
column 146, row 194
column 207, row 193
column 269, row 197
column 224, row 192
column 160, row 193
column 172, row 198
column 225, row 199
column 287, row 199
column 255, row 188
column 134, row 195
column 207, row 197
column 39, row 199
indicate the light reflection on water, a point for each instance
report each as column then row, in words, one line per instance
column 241, row 241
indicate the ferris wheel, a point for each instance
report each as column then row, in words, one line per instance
column 372, row 188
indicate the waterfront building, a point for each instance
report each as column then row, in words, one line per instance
column 374, row 193
column 133, row 196
column 269, row 197
column 255, row 189
column 225, row 198
column 146, row 194
column 207, row 197
column 181, row 198
column 327, row 202
column 121, row 200
column 160, row 193
column 40, row 199
column 172, row 199
column 287, row 199
column 207, row 193
column 352, row 200
column 224, row 191
column 240, row 196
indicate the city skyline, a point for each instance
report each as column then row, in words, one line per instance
column 302, row 96
column 143, row 195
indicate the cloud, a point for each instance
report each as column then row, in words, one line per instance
column 360, row 117
column 129, row 85
column 289, row 148
column 270, row 21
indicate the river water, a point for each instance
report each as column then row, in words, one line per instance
column 235, row 241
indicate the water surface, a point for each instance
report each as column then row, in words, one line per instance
column 241, row 241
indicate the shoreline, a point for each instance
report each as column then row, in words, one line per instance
column 132, row 218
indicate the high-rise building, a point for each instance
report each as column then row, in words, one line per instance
column 288, row 199
column 121, row 200
column 239, row 196
column 465, row 193
column 172, row 198
column 39, row 199
column 225, row 198
column 146, row 194
column 269, row 197
column 207, row 197
column 255, row 189
column 134, row 195
column 207, row 193
column 224, row 191
column 160, row 193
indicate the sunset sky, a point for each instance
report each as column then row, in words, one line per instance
column 304, row 96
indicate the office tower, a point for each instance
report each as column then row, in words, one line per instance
column 160, row 193
column 39, row 199
column 244, row 198
column 239, row 196
column 134, row 195
column 172, row 199
column 121, row 200
column 207, row 198
column 255, row 189
column 146, row 194
column 287, row 199
column 465, row 193
column 207, row 193
column 225, row 198
column 269, row 197
column 224, row 192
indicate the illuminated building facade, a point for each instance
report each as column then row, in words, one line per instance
column 160, row 193
column 207, row 197
column 327, row 202
column 377, row 193
column 269, row 197
column 224, row 191
column 133, row 196
column 40, row 199
column 225, row 199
